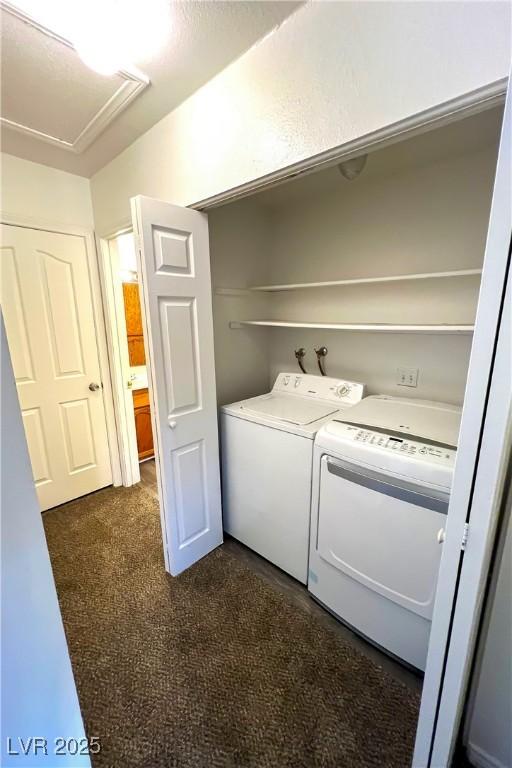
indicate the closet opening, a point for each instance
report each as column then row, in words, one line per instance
column 344, row 304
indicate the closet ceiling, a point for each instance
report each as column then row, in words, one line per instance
column 58, row 112
column 459, row 138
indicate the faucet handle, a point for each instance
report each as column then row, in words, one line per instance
column 300, row 354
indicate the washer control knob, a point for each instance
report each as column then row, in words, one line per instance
column 343, row 390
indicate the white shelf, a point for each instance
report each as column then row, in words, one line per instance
column 360, row 280
column 232, row 291
column 370, row 327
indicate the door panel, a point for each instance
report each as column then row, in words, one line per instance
column 36, row 444
column 179, row 329
column 19, row 344
column 144, row 432
column 132, row 311
column 47, row 305
column 191, row 497
column 76, row 419
column 136, row 352
column 174, row 267
column 61, row 315
column 172, row 252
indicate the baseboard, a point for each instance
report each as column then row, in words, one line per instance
column 482, row 759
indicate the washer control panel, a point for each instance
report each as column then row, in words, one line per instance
column 399, row 445
column 320, row 387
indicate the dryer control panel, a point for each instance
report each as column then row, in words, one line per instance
column 403, row 446
column 336, row 391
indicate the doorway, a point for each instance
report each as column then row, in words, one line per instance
column 127, row 354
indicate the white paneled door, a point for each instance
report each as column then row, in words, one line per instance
column 174, row 266
column 49, row 318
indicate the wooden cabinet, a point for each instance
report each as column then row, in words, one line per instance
column 143, row 423
column 136, row 353
column 137, row 356
column 133, row 316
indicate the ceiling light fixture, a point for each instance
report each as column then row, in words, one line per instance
column 115, row 34
column 108, row 35
column 351, row 169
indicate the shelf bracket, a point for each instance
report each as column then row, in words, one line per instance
column 235, row 325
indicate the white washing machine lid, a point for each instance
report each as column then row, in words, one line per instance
column 423, row 419
column 288, row 408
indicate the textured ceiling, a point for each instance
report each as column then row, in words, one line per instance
column 46, row 87
column 49, row 94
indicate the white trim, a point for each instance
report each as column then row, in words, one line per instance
column 17, row 220
column 485, row 508
column 476, row 489
column 134, row 83
column 370, row 327
column 485, row 97
column 122, row 227
column 482, row 759
column 360, row 280
column 99, row 321
column 47, row 225
column 117, row 346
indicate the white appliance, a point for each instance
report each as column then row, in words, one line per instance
column 267, row 452
column 381, row 485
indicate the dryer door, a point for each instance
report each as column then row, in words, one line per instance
column 382, row 532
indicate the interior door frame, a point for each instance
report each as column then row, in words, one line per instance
column 117, row 349
column 489, row 498
column 27, row 222
column 477, row 488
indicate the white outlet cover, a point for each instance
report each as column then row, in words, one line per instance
column 407, row 377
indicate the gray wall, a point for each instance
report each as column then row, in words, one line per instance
column 38, row 689
column 488, row 730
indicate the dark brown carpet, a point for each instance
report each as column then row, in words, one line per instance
column 214, row 668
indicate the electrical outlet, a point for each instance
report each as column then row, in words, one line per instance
column 407, row 377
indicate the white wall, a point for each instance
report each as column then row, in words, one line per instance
column 44, row 195
column 38, row 690
column 399, row 220
column 239, row 253
column 392, row 219
column 489, row 728
column 374, row 358
column 331, row 73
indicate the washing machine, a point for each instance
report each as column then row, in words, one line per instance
column 267, row 453
column 381, row 486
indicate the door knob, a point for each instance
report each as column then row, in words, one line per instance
column 93, row 386
column 172, row 424
column 441, row 535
